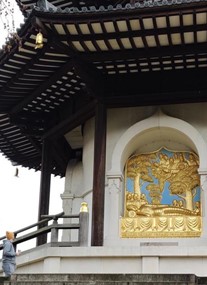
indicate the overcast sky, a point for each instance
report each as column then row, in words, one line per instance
column 16, row 16
column 19, row 200
column 19, row 196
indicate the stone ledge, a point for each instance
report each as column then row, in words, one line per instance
column 105, row 277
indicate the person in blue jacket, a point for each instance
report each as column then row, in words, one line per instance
column 9, row 255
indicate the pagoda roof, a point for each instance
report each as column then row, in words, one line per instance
column 148, row 53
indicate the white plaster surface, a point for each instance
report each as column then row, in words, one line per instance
column 139, row 259
column 129, row 131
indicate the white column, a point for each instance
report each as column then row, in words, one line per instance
column 113, row 209
column 203, row 185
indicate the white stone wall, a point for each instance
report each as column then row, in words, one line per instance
column 146, row 258
column 131, row 130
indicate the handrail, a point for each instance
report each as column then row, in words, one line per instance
column 82, row 226
column 49, row 218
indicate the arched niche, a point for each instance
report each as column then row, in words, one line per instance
column 148, row 135
column 154, row 132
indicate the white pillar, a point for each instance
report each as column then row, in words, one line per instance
column 114, row 209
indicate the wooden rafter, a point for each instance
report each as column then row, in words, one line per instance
column 71, row 122
column 140, row 53
column 121, row 56
column 93, row 80
column 42, row 87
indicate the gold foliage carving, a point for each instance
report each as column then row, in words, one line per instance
column 162, row 195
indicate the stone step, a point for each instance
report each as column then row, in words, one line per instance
column 104, row 279
column 107, row 277
column 96, row 283
column 202, row 280
column 3, row 279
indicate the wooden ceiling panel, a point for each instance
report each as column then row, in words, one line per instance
column 92, row 50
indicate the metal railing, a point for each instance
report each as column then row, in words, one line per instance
column 43, row 228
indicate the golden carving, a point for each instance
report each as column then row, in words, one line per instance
column 162, row 195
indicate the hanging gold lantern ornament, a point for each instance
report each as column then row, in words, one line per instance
column 39, row 40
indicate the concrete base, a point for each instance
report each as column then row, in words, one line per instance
column 149, row 259
column 104, row 279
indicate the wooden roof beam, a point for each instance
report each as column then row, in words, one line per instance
column 31, row 133
column 156, row 98
column 135, row 33
column 72, row 122
column 24, row 69
column 90, row 76
column 62, row 152
column 65, row 68
column 146, row 53
column 34, row 161
column 33, row 124
column 37, row 23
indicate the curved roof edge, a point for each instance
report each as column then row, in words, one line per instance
column 145, row 4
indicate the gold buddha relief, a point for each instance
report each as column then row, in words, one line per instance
column 162, row 195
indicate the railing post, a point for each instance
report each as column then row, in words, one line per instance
column 84, row 223
column 54, row 231
column 15, row 245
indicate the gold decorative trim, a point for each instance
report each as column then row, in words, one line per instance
column 162, row 195
column 164, row 227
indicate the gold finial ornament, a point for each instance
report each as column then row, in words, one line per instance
column 39, row 41
column 84, row 207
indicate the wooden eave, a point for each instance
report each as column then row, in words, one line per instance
column 122, row 56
